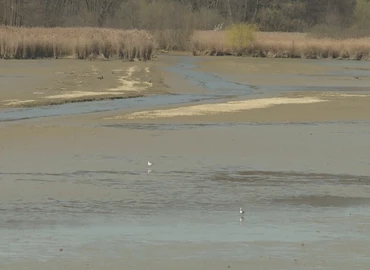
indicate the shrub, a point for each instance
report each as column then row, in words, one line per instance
column 240, row 36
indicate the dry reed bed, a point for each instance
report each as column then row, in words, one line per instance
column 282, row 45
column 81, row 43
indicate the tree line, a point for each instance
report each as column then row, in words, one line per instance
column 269, row 15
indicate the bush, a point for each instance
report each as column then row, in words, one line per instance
column 240, row 36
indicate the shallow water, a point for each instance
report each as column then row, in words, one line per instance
column 217, row 84
column 190, row 208
column 95, row 201
column 304, row 188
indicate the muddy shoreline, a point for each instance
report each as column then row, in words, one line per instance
column 34, row 83
column 76, row 100
column 286, row 140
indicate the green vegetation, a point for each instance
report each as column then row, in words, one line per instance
column 240, row 36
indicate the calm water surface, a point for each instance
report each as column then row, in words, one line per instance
column 188, row 200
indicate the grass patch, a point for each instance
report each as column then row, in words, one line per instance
column 282, row 45
column 79, row 43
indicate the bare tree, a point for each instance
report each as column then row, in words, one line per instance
column 12, row 13
column 279, row 15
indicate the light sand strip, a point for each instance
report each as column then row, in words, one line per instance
column 129, row 84
column 228, row 107
column 343, row 95
column 78, row 94
column 13, row 102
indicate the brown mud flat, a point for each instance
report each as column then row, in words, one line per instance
column 60, row 171
column 289, row 72
column 32, row 83
column 338, row 95
column 345, row 109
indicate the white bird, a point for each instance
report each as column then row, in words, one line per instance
column 149, row 163
column 241, row 211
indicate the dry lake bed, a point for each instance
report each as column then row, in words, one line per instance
column 285, row 139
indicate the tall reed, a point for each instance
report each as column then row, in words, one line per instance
column 282, row 45
column 81, row 43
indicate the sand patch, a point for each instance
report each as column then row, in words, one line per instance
column 63, row 80
column 12, row 102
column 94, row 69
column 78, row 94
column 343, row 95
column 131, row 70
column 228, row 107
column 128, row 83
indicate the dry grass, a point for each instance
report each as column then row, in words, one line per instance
column 283, row 45
column 173, row 40
column 81, row 43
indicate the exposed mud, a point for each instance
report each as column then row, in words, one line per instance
column 76, row 191
column 28, row 83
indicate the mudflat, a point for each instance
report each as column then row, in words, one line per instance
column 277, row 90
column 30, row 83
column 76, row 191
